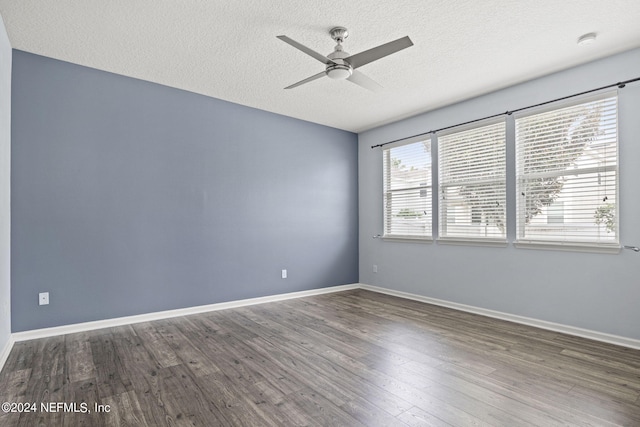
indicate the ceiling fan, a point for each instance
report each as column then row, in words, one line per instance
column 341, row 65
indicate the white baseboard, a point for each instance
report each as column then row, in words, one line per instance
column 4, row 352
column 120, row 321
column 542, row 324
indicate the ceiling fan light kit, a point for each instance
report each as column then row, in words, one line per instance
column 339, row 72
column 340, row 65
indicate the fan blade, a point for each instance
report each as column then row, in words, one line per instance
column 306, row 50
column 361, row 80
column 307, row 80
column 363, row 58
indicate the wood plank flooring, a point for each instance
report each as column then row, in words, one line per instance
column 354, row 358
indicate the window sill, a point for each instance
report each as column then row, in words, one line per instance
column 613, row 248
column 498, row 243
column 407, row 239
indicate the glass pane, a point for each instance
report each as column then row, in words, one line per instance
column 474, row 210
column 582, row 210
column 408, row 212
column 410, row 165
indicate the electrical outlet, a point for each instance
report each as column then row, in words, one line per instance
column 43, row 298
column 375, row 268
column 284, row 274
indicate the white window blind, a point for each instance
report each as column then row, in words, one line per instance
column 407, row 190
column 472, row 195
column 567, row 173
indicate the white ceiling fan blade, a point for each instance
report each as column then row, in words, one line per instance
column 306, row 50
column 307, row 80
column 362, row 80
column 373, row 54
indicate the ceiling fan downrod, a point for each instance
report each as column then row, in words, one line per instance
column 340, row 69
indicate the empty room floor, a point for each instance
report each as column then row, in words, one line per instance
column 348, row 358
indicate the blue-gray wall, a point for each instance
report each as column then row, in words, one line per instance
column 593, row 291
column 130, row 197
column 5, row 189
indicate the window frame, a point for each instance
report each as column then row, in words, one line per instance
column 521, row 241
column 469, row 239
column 387, row 191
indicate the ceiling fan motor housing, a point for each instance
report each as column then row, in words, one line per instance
column 341, row 69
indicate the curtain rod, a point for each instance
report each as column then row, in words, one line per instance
column 508, row 113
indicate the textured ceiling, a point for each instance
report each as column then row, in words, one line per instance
column 229, row 50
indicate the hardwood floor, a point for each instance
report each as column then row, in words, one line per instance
column 351, row 358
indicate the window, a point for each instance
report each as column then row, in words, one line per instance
column 567, row 173
column 407, row 190
column 472, row 193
